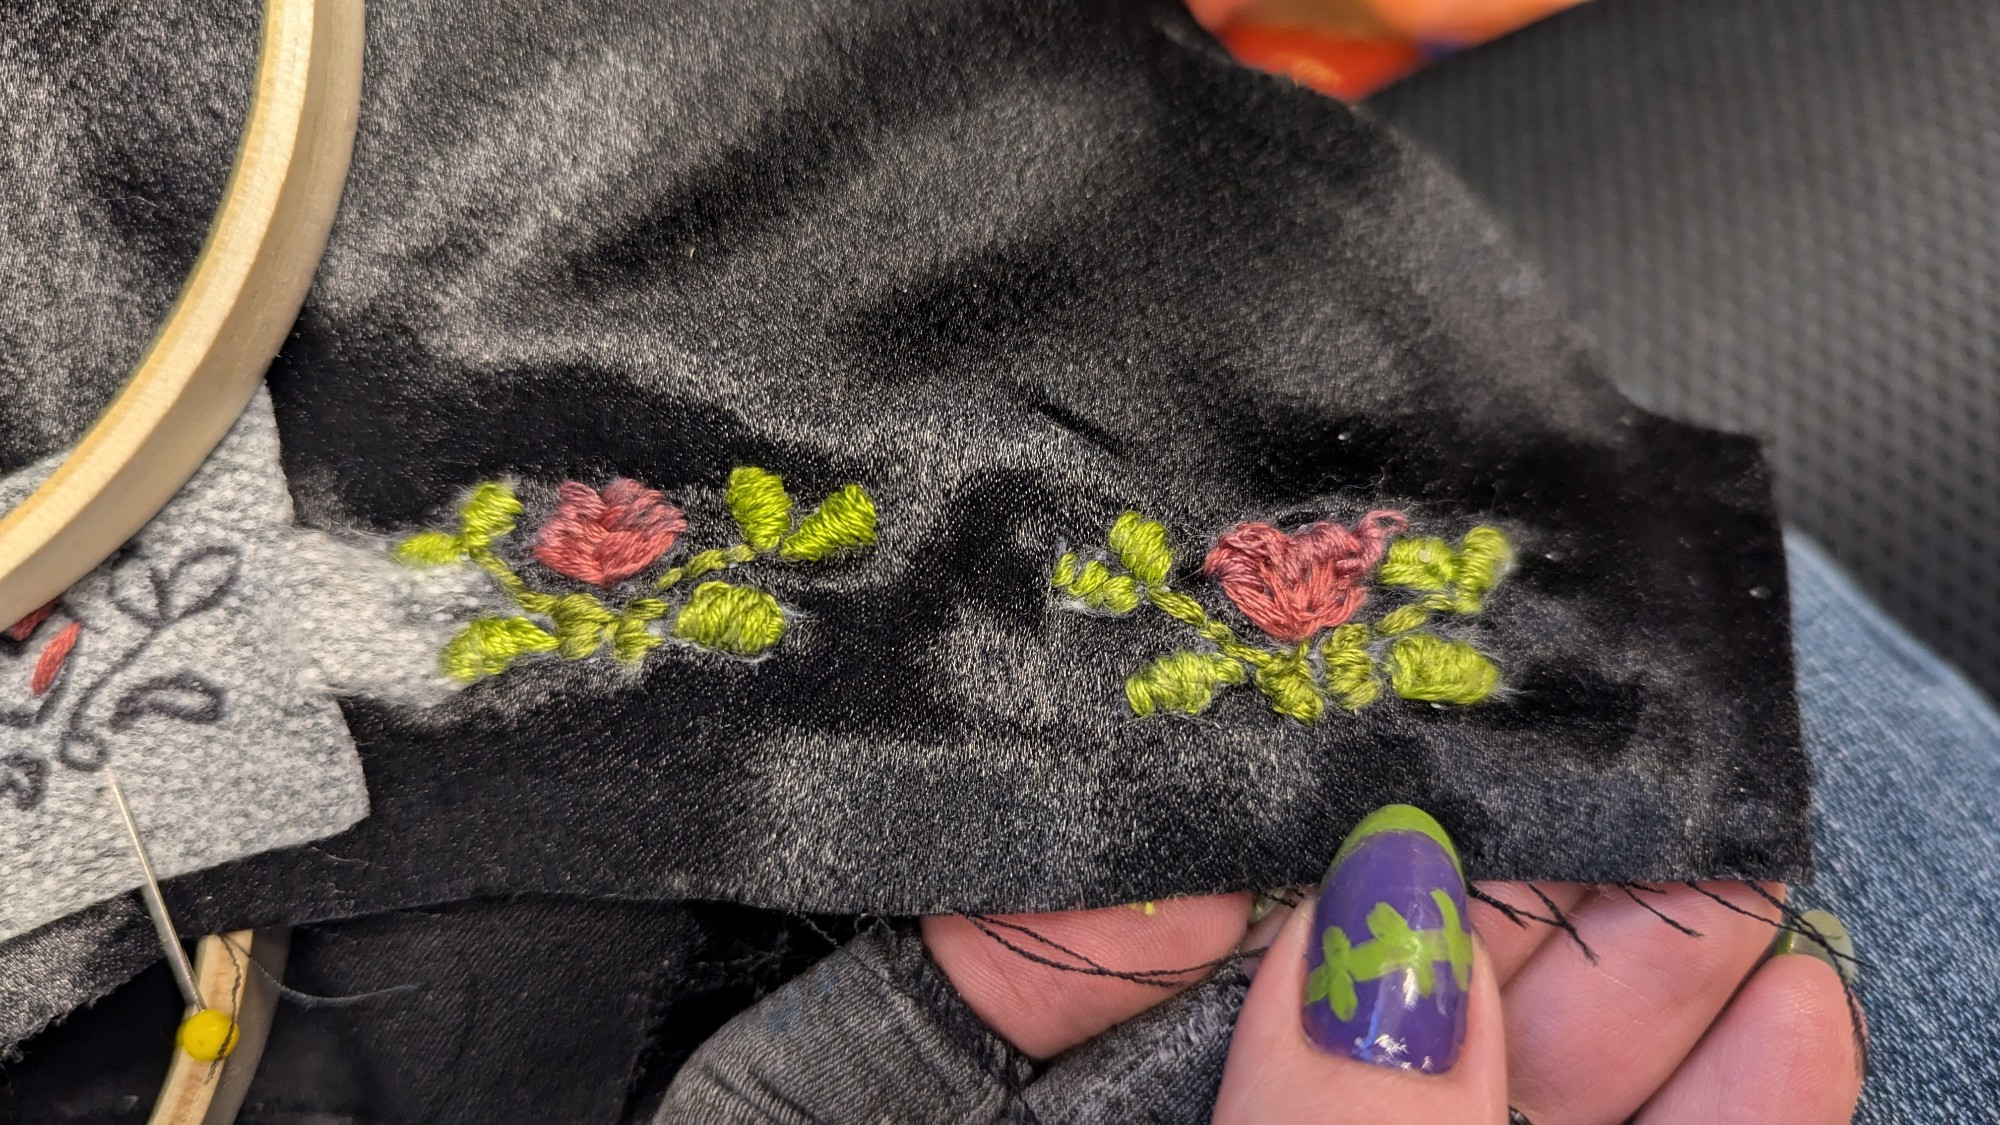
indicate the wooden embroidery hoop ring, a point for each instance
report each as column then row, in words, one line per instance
column 196, row 376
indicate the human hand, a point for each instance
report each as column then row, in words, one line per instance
column 1665, row 1024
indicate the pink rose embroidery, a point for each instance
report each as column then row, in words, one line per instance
column 1293, row 586
column 606, row 537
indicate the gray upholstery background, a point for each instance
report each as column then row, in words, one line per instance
column 1780, row 217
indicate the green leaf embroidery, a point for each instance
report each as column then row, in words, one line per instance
column 1288, row 684
column 1350, row 670
column 487, row 514
column 490, row 645
column 733, row 619
column 582, row 623
column 1483, row 558
column 430, row 548
column 1181, row 681
column 762, row 507
column 1461, row 577
column 844, row 521
column 1420, row 563
column 1096, row 587
column 1435, row 670
column 1141, row 545
column 630, row 639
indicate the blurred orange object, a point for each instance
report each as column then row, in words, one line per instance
column 1458, row 22
column 1352, row 48
column 1348, row 67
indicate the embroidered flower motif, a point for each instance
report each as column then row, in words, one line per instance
column 603, row 538
column 1304, row 591
column 1292, row 586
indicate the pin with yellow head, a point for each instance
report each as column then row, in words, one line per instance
column 207, row 1035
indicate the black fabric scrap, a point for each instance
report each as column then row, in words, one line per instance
column 1014, row 267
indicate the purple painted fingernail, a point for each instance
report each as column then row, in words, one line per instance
column 1389, row 965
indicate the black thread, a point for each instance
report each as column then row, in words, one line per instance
column 1796, row 922
column 1044, row 939
column 1775, row 923
column 307, row 999
column 1060, row 948
column 1507, row 909
column 985, row 925
column 1289, row 896
column 1521, row 916
column 235, row 1004
column 1656, row 911
column 1562, row 921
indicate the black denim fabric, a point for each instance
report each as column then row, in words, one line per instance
column 547, row 1009
column 52, row 971
column 1014, row 266
column 876, row 1033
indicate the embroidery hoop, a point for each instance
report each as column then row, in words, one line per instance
column 197, row 375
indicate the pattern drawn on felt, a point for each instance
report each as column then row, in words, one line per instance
column 1303, row 590
column 155, row 599
column 609, row 537
column 208, row 658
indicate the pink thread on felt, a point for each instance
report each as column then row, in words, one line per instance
column 24, row 628
column 606, row 537
column 50, row 663
column 1292, row 586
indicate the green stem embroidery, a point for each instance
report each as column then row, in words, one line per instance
column 1342, row 667
column 736, row 620
column 707, row 562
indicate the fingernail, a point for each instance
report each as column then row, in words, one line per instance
column 1389, row 964
column 1831, row 945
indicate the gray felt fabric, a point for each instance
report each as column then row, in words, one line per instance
column 211, row 649
column 875, row 1032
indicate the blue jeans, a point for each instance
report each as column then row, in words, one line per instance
column 1908, row 762
column 1906, row 794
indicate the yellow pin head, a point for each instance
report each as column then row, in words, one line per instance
column 207, row 1035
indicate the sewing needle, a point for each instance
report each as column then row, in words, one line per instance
column 156, row 905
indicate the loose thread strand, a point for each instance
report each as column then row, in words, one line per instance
column 1796, row 922
column 1157, row 978
column 1656, row 911
column 1562, row 921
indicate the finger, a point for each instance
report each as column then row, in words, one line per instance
column 1513, row 939
column 1592, row 1041
column 1374, row 1003
column 1784, row 1051
column 1042, row 1009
